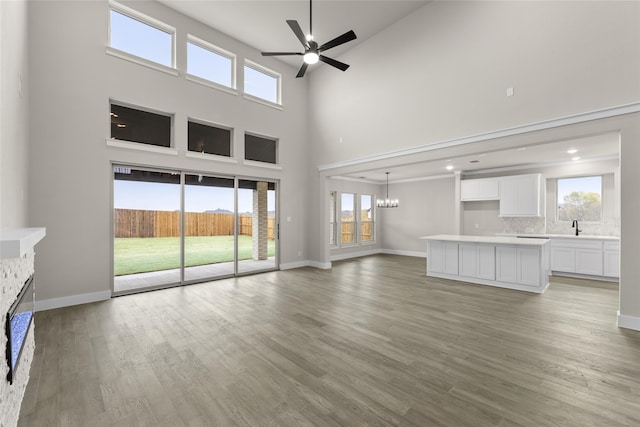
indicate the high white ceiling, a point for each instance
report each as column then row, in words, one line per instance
column 262, row 23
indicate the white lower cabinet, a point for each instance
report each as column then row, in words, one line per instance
column 442, row 257
column 477, row 261
column 589, row 257
column 518, row 265
column 611, row 259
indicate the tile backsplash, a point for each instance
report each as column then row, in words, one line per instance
column 610, row 227
column 528, row 225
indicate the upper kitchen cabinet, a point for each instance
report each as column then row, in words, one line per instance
column 520, row 195
column 480, row 189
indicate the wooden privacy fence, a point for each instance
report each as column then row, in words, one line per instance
column 347, row 230
column 141, row 223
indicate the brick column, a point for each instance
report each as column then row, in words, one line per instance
column 259, row 225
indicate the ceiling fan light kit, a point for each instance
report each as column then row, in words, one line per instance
column 312, row 52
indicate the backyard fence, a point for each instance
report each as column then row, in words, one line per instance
column 141, row 223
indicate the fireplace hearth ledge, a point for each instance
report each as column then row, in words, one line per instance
column 14, row 243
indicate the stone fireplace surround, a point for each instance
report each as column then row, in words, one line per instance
column 17, row 257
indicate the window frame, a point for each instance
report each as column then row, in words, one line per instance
column 251, row 162
column 264, row 70
column 198, row 154
column 372, row 222
column 354, row 221
column 557, row 205
column 333, row 213
column 122, row 143
column 217, row 50
column 147, row 20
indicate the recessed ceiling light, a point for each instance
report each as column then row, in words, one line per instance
column 522, row 148
column 449, row 167
column 575, row 158
column 572, row 151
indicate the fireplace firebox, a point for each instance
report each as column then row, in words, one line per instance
column 19, row 319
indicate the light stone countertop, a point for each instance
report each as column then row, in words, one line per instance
column 562, row 236
column 497, row 240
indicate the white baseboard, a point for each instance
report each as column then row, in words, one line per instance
column 629, row 322
column 418, row 254
column 348, row 255
column 320, row 265
column 292, row 265
column 305, row 263
column 52, row 303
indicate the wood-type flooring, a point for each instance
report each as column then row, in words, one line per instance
column 371, row 342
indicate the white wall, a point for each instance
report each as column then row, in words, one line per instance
column 426, row 208
column 70, row 164
column 442, row 72
column 14, row 135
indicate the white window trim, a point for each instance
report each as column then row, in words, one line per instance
column 140, row 146
column 262, row 164
column 267, row 71
column 218, row 51
column 602, row 219
column 210, row 156
column 214, row 157
column 335, row 217
column 372, row 222
column 145, row 19
column 121, row 143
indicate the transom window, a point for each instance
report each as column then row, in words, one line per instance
column 261, row 82
column 141, row 36
column 209, row 139
column 260, row 148
column 580, row 198
column 210, row 62
column 134, row 125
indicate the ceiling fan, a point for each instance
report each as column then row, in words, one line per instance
column 312, row 51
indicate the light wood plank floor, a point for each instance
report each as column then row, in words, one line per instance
column 372, row 342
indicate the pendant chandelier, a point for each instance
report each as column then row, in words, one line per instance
column 388, row 203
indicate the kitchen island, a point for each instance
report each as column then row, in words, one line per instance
column 505, row 262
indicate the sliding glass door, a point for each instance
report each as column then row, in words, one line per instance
column 146, row 228
column 209, row 227
column 172, row 227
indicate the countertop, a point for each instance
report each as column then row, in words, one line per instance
column 498, row 240
column 561, row 236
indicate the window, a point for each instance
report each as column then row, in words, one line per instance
column 580, row 198
column 348, row 220
column 260, row 149
column 130, row 124
column 140, row 35
column 210, row 62
column 261, row 82
column 332, row 218
column 366, row 218
column 209, row 139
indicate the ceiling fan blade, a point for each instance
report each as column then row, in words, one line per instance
column 346, row 37
column 303, row 69
column 298, row 32
column 340, row 65
column 280, row 53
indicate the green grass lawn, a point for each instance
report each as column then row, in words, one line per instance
column 140, row 255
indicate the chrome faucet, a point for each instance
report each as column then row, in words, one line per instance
column 574, row 224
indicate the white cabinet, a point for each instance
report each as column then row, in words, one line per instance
column 480, row 189
column 611, row 259
column 442, row 257
column 477, row 261
column 520, row 195
column 519, row 265
column 585, row 256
